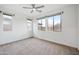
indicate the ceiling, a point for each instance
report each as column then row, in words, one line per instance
column 17, row 8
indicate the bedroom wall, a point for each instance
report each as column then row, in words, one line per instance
column 19, row 29
column 68, row 36
column 78, row 28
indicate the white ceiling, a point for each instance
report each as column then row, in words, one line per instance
column 17, row 8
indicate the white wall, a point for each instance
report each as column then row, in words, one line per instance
column 19, row 31
column 78, row 27
column 68, row 36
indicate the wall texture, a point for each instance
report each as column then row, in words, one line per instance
column 19, row 29
column 68, row 36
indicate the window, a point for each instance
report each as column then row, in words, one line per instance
column 7, row 23
column 54, row 23
column 57, row 23
column 50, row 23
column 41, row 24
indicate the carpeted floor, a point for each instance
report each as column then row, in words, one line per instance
column 34, row 46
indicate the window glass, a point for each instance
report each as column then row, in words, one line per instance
column 7, row 23
column 53, row 23
column 39, row 24
column 43, row 25
column 57, row 23
column 50, row 23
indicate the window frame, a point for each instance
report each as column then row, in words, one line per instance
column 59, row 25
column 46, row 22
column 41, row 25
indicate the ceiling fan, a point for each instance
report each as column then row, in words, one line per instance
column 34, row 8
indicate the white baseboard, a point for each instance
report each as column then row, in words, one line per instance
column 58, row 43
column 14, row 41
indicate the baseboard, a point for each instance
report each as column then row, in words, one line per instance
column 15, row 41
column 56, row 43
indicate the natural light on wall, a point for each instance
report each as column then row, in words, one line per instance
column 29, row 25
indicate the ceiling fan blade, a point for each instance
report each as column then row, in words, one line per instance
column 39, row 7
column 38, row 10
column 32, row 11
column 27, row 7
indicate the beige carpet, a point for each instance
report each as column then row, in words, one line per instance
column 35, row 46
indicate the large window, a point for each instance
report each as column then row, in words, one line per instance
column 43, row 27
column 54, row 23
column 41, row 24
column 50, row 23
column 7, row 23
column 57, row 23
